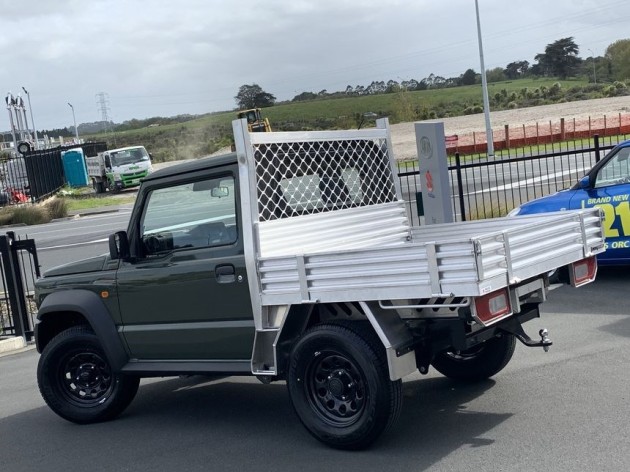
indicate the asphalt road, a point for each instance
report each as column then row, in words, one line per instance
column 565, row 410
column 68, row 240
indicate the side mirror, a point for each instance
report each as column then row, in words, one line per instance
column 108, row 162
column 119, row 245
column 585, row 182
column 150, row 156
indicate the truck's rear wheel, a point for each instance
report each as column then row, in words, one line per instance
column 99, row 186
column 339, row 385
column 77, row 381
column 478, row 363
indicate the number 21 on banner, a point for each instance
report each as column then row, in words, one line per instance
column 611, row 213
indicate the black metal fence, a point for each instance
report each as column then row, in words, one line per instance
column 38, row 174
column 483, row 187
column 19, row 269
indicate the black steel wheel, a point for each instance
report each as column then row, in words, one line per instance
column 77, row 381
column 336, row 388
column 339, row 385
column 478, row 363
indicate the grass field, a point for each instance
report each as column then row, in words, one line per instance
column 97, row 202
column 210, row 132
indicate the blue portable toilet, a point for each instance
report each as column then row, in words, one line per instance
column 74, row 167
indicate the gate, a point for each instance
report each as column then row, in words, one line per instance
column 19, row 269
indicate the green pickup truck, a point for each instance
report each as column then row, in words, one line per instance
column 293, row 260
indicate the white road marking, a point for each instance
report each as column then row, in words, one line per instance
column 522, row 183
column 63, row 246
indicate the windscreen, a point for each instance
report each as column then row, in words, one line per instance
column 129, row 156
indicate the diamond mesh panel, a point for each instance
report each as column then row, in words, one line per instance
column 307, row 177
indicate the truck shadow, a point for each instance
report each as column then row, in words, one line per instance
column 197, row 421
column 435, row 420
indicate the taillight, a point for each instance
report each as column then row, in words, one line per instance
column 583, row 272
column 492, row 307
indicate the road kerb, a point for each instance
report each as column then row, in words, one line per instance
column 12, row 344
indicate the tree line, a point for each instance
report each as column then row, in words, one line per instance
column 559, row 59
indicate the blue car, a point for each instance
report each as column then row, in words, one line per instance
column 607, row 186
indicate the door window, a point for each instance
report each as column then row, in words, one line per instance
column 616, row 170
column 192, row 215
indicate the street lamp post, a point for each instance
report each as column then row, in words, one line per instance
column 593, row 57
column 76, row 130
column 10, row 104
column 30, row 109
column 484, row 87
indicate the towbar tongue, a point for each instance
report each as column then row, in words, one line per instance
column 513, row 326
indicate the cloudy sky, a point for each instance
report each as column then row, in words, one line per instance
column 166, row 57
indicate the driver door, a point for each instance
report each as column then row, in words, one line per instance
column 609, row 189
column 186, row 296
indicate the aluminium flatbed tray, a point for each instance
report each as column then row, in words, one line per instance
column 466, row 259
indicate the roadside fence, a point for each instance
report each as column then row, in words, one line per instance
column 38, row 173
column 487, row 187
column 541, row 133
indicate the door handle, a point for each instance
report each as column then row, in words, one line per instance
column 225, row 273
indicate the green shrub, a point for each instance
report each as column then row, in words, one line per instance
column 29, row 215
column 34, row 214
column 56, row 207
column 555, row 89
column 6, row 217
column 610, row 91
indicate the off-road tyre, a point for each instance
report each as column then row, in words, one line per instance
column 77, row 382
column 339, row 385
column 478, row 363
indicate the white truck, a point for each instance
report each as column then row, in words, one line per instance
column 293, row 259
column 118, row 169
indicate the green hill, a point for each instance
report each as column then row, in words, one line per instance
column 211, row 132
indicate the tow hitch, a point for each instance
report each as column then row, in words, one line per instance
column 513, row 326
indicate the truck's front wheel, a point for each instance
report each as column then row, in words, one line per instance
column 339, row 385
column 113, row 188
column 77, row 381
column 478, row 363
